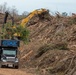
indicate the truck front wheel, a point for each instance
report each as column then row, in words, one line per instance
column 1, row 66
column 16, row 67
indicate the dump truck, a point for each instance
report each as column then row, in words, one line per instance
column 9, row 53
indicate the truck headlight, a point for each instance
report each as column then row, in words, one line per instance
column 16, row 60
column 4, row 60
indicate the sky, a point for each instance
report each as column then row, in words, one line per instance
column 68, row 6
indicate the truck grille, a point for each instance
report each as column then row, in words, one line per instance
column 10, row 58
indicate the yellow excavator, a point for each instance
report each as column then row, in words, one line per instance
column 38, row 12
column 25, row 21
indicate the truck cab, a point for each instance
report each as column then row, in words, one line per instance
column 9, row 53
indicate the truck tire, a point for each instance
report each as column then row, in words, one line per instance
column 16, row 67
column 1, row 66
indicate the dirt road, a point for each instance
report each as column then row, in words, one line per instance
column 6, row 71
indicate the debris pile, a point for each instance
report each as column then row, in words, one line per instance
column 53, row 42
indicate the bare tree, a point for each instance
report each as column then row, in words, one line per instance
column 14, row 11
column 64, row 14
column 3, row 7
column 25, row 13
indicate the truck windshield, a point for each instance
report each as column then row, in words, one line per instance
column 9, row 52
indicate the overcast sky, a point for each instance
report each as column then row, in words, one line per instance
column 53, row 5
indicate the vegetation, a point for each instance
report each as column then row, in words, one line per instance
column 46, row 47
column 8, row 32
column 24, row 33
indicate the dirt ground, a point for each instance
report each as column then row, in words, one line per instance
column 8, row 71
